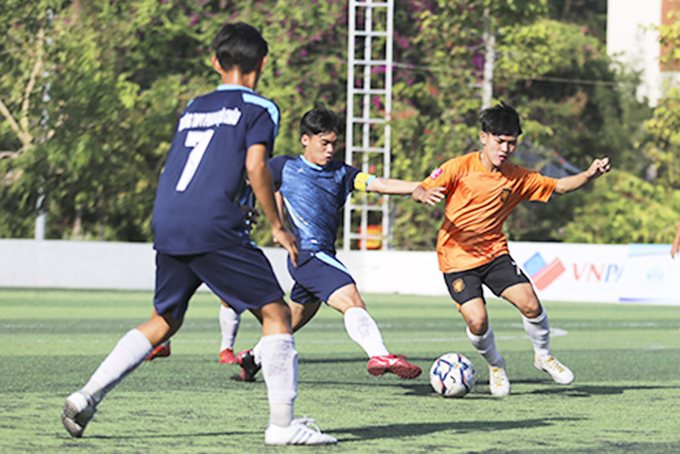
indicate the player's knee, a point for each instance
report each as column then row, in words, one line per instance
column 344, row 301
column 533, row 309
column 478, row 326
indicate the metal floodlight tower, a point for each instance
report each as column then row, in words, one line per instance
column 369, row 103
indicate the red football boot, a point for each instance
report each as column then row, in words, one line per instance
column 162, row 351
column 379, row 365
column 227, row 356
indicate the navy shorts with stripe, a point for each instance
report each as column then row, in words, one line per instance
column 499, row 274
column 317, row 276
column 240, row 275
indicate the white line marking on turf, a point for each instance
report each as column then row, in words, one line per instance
column 554, row 332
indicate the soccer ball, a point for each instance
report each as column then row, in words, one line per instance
column 452, row 375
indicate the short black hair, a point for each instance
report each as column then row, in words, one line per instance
column 319, row 120
column 241, row 45
column 501, row 120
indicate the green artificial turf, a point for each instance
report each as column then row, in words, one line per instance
column 625, row 398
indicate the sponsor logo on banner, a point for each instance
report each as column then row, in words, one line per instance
column 541, row 273
column 655, row 278
column 589, row 272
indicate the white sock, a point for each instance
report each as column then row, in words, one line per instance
column 229, row 321
column 538, row 330
column 279, row 368
column 257, row 352
column 486, row 346
column 128, row 353
column 363, row 330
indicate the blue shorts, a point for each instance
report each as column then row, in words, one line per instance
column 317, row 276
column 240, row 275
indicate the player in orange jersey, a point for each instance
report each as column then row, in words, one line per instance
column 482, row 188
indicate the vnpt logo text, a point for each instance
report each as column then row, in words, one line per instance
column 543, row 275
column 589, row 272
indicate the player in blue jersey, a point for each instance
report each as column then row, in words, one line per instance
column 200, row 237
column 313, row 189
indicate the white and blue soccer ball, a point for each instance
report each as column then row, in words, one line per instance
column 452, row 375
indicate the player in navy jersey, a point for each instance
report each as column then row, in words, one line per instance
column 201, row 237
column 229, row 319
column 313, row 189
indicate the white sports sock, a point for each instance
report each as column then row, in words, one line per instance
column 363, row 330
column 229, row 321
column 257, row 352
column 279, row 368
column 538, row 330
column 486, row 346
column 128, row 353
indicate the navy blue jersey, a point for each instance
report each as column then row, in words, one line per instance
column 197, row 201
column 313, row 196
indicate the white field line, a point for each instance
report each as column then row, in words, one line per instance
column 554, row 332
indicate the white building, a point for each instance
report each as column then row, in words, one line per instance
column 632, row 40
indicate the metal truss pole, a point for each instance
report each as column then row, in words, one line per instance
column 369, row 104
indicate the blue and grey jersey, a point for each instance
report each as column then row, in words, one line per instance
column 197, row 207
column 313, row 197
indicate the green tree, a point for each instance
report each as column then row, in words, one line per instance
column 623, row 208
column 23, row 34
column 572, row 102
column 120, row 73
column 662, row 145
column 591, row 14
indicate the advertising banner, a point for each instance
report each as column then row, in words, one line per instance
column 573, row 272
column 651, row 276
column 633, row 273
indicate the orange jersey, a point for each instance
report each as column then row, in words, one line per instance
column 477, row 204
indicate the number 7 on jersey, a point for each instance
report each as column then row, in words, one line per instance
column 198, row 142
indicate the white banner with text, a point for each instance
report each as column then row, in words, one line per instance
column 635, row 273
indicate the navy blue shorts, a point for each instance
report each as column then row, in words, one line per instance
column 317, row 276
column 240, row 275
column 499, row 274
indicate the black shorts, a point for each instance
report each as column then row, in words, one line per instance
column 499, row 274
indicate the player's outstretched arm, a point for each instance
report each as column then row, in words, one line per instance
column 391, row 186
column 262, row 183
column 676, row 242
column 573, row 182
column 430, row 196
